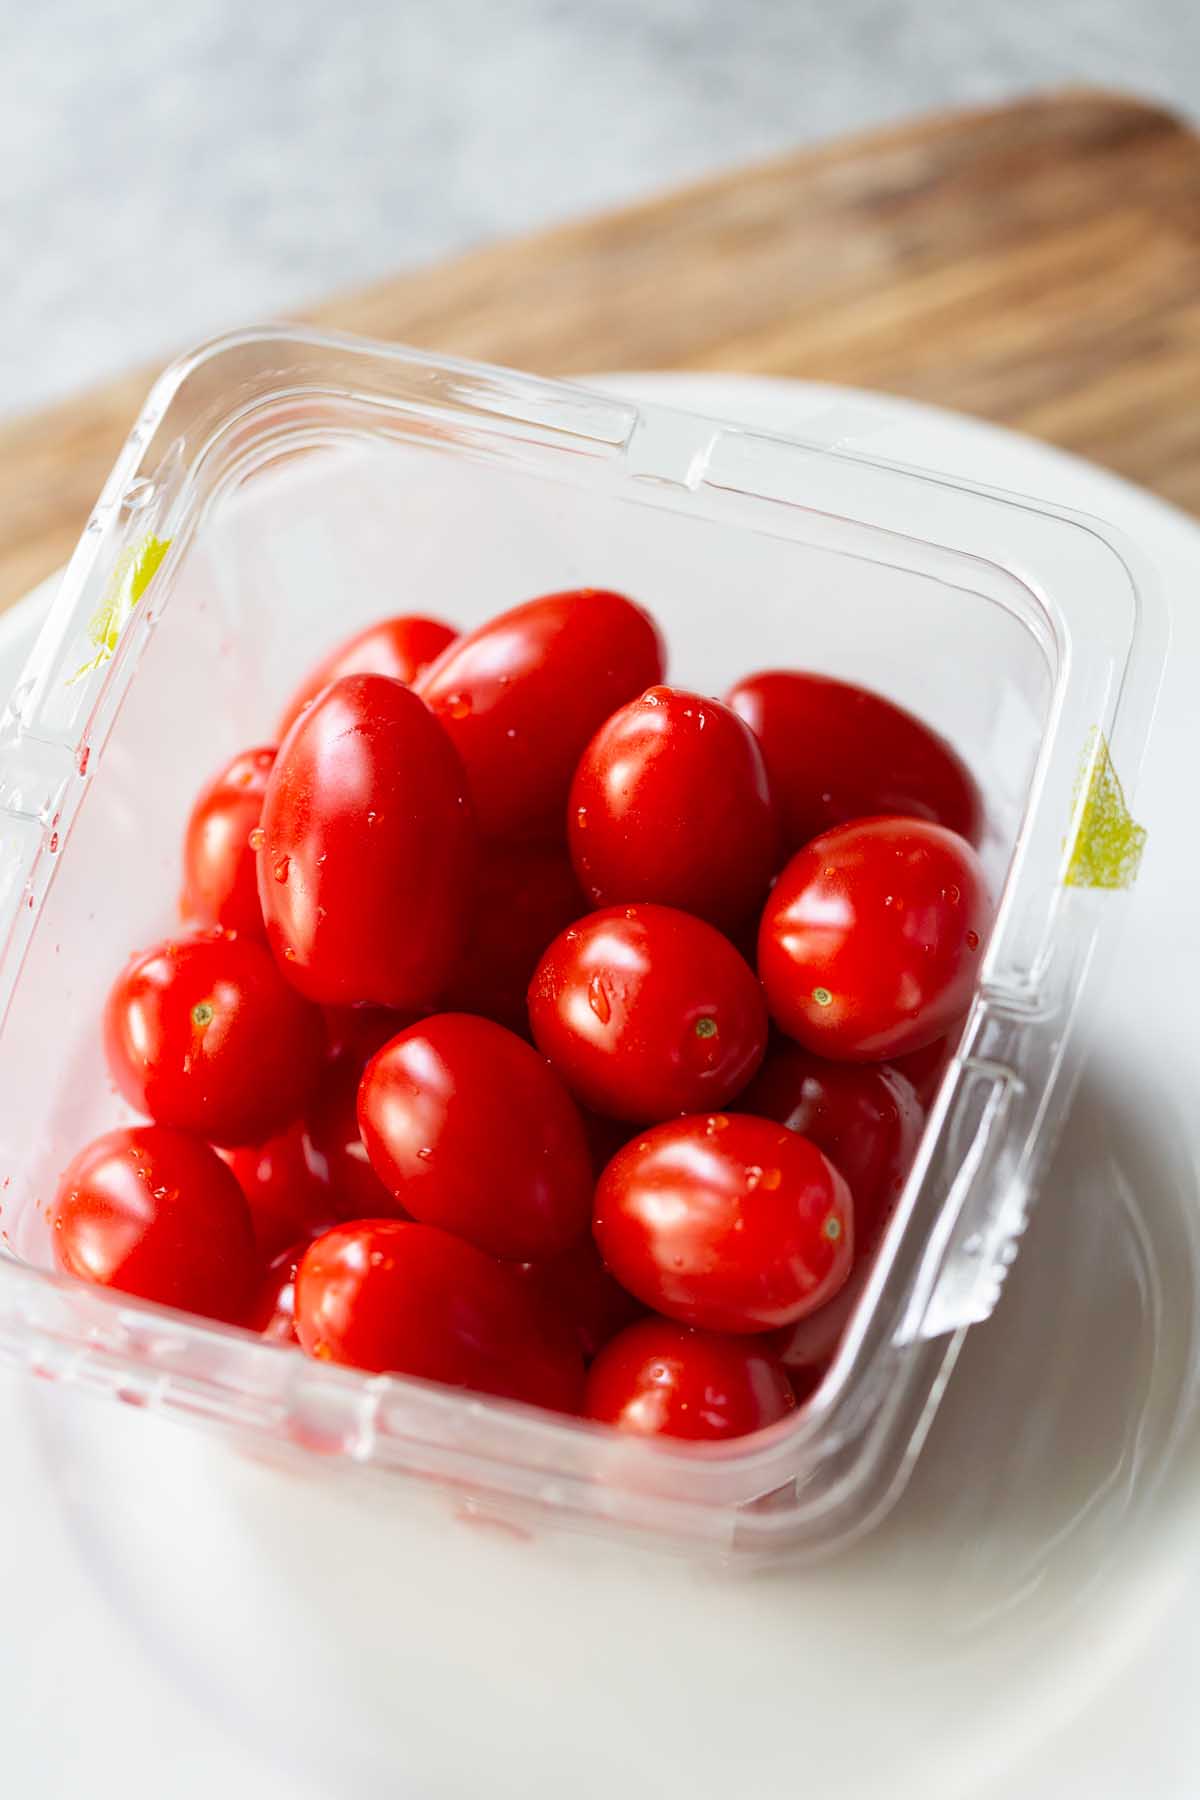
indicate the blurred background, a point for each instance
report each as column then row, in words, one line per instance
column 172, row 170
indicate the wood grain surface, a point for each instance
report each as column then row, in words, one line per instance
column 1036, row 264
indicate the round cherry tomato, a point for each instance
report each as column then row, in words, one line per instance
column 352, row 1185
column 670, row 803
column 925, row 1068
column 521, row 696
column 286, row 1188
column 872, row 939
column 220, row 873
column 526, row 894
column 354, row 1033
column 401, row 648
column 646, row 1011
column 368, row 849
column 725, row 1221
column 405, row 1299
column 154, row 1212
column 836, row 752
column 474, row 1131
column 273, row 1309
column 868, row 1121
column 204, row 1033
column 579, row 1286
column 605, row 1137
column 864, row 1117
column 659, row 1379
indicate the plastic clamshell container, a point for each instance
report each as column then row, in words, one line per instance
column 280, row 490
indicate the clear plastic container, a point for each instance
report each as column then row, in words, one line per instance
column 280, row 490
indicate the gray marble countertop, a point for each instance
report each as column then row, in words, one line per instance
column 171, row 170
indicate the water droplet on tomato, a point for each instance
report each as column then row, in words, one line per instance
column 258, row 838
column 425, row 1152
column 458, row 705
column 282, row 868
column 972, row 940
column 598, row 1000
column 581, row 817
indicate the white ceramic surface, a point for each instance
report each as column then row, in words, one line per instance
column 180, row 1618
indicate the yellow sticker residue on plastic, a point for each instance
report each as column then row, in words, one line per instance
column 132, row 574
column 1108, row 843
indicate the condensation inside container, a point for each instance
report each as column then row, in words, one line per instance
column 321, row 543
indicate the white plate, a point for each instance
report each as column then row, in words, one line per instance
column 178, row 1617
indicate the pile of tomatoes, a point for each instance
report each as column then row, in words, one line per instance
column 540, row 1028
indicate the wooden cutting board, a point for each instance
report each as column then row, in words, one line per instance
column 1037, row 264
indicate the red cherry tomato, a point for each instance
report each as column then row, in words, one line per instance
column 925, row 1068
column 871, row 942
column 521, row 696
column 273, row 1309
column 286, row 1188
column 868, row 1122
column 605, row 1137
column 220, row 873
column 204, row 1033
column 154, row 1212
column 836, row 752
column 354, row 1033
column 659, row 1379
column 467, row 1124
column 865, row 1118
column 525, row 895
column 368, row 848
column 580, row 1288
column 401, row 648
column 670, row 803
column 725, row 1221
column 354, row 1188
column 646, row 1011
column 405, row 1299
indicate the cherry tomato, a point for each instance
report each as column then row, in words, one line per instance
column 725, row 1221
column 579, row 1286
column 605, row 1137
column 646, row 1011
column 286, row 1188
column 368, row 849
column 865, row 1118
column 521, row 696
column 836, row 752
column 475, row 1133
column 670, row 803
column 401, row 648
column 204, row 1033
column 868, row 1122
column 659, row 1379
column 354, row 1188
column 273, row 1309
column 154, row 1212
column 393, row 1297
column 871, row 942
column 925, row 1068
column 354, row 1033
column 220, row 874
column 525, row 895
